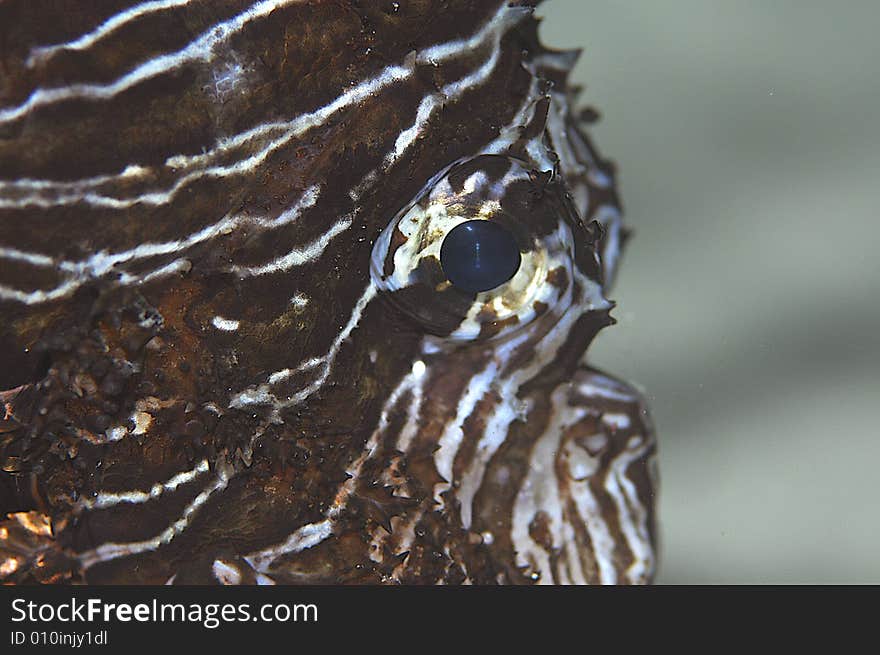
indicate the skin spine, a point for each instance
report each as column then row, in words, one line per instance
column 229, row 352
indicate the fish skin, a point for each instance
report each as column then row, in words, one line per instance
column 204, row 381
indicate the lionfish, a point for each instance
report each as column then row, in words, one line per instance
column 301, row 292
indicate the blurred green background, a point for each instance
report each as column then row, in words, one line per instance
column 747, row 135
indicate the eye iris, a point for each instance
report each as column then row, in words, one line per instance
column 479, row 255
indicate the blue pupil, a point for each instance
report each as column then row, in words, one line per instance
column 479, row 255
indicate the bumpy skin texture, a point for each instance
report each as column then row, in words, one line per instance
column 222, row 362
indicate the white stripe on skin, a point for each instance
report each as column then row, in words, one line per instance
column 262, row 394
column 202, row 49
column 508, row 409
column 632, row 513
column 102, row 263
column 108, row 499
column 106, row 28
column 576, row 161
column 225, row 573
column 540, row 492
column 297, row 256
column 314, row 533
column 287, row 129
column 225, row 324
column 453, row 90
column 562, row 61
column 301, row 539
column 501, row 18
column 453, row 434
column 109, row 551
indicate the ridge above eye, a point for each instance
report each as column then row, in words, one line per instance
column 479, row 255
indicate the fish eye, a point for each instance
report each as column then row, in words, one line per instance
column 479, row 255
column 483, row 250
